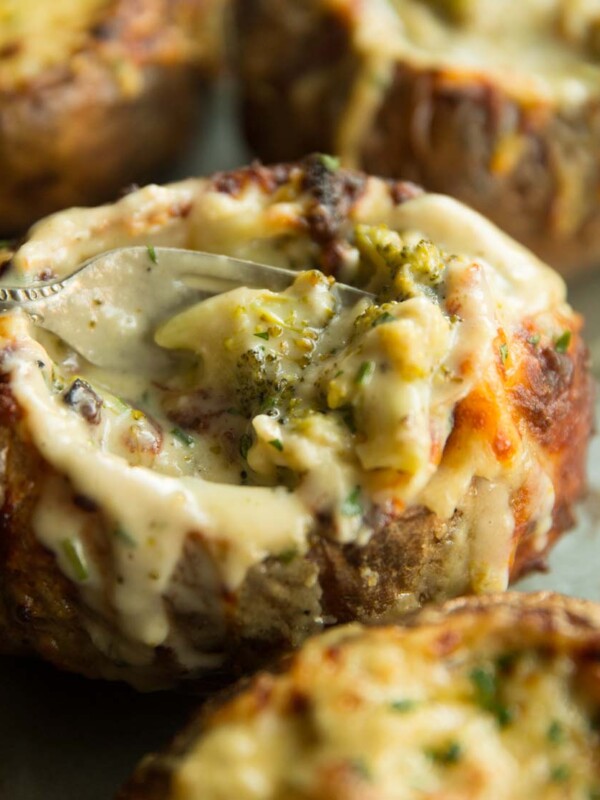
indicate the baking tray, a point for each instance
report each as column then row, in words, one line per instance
column 65, row 738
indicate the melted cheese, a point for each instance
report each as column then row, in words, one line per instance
column 389, row 714
column 156, row 485
column 38, row 36
column 535, row 51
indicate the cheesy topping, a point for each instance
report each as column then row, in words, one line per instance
column 36, row 36
column 403, row 714
column 538, row 51
column 282, row 413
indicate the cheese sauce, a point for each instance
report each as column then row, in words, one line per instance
column 281, row 410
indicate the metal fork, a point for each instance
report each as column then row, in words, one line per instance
column 108, row 309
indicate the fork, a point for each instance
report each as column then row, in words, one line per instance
column 108, row 310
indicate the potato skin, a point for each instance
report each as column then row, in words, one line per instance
column 450, row 134
column 409, row 554
column 550, row 622
column 113, row 113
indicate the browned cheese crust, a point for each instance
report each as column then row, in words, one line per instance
column 531, row 166
column 548, row 396
column 466, row 629
column 116, row 110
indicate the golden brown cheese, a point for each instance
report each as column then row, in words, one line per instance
column 491, row 700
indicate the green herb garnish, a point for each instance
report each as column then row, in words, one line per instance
column 365, row 372
column 561, row 345
column 331, row 163
column 383, row 319
column 560, row 773
column 277, row 444
column 485, row 683
column 555, row 733
column 263, row 335
column 504, row 353
column 352, row 506
column 75, row 555
column 183, row 437
column 449, row 754
column 287, row 556
column 152, row 253
column 124, row 537
column 534, row 339
column 245, row 444
column 403, row 706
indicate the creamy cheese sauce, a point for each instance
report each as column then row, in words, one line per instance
column 535, row 50
column 389, row 715
column 320, row 413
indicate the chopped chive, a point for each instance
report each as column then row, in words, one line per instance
column 534, row 340
column 504, row 352
column 277, row 444
column 504, row 716
column 263, row 335
column 124, row 537
column 402, row 706
column 352, row 506
column 365, row 371
column 338, row 373
column 561, row 345
column 183, row 437
column 560, row 773
column 287, row 556
column 75, row 555
column 383, row 319
column 331, row 163
column 245, row 444
column 152, row 254
column 485, row 685
column 450, row 753
column 555, row 733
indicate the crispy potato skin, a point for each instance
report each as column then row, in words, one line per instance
column 550, row 396
column 544, row 620
column 451, row 135
column 78, row 133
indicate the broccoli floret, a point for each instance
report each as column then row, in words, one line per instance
column 259, row 386
column 398, row 271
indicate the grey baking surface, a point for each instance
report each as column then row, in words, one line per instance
column 64, row 738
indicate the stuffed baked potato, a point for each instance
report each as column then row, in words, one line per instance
column 94, row 95
column 296, row 464
column 494, row 697
column 494, row 102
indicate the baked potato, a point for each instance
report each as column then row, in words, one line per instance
column 495, row 103
column 494, row 697
column 95, row 95
column 295, row 464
